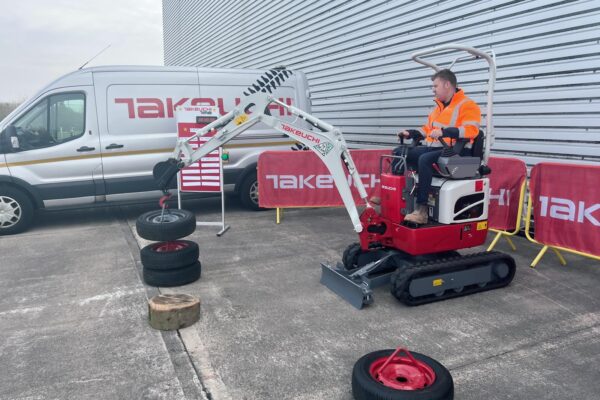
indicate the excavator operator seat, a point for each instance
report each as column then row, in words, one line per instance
column 454, row 166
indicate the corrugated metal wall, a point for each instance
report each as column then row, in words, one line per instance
column 356, row 55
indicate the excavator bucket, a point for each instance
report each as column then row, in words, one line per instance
column 164, row 173
column 338, row 279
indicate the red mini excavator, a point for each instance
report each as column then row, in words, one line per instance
column 421, row 262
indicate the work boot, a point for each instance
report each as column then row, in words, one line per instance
column 375, row 200
column 419, row 216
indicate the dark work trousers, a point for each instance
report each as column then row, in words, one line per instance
column 421, row 158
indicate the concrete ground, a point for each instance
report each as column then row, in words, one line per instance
column 73, row 316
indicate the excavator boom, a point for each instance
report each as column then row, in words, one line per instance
column 324, row 139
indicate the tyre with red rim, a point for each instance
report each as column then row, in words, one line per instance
column 414, row 377
column 169, row 255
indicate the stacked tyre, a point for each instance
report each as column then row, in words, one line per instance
column 170, row 260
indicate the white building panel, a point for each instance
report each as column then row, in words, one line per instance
column 356, row 55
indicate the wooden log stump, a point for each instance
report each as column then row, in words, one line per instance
column 169, row 312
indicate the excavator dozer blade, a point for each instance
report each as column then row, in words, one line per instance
column 337, row 280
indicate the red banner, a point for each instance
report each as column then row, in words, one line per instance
column 300, row 179
column 566, row 205
column 508, row 174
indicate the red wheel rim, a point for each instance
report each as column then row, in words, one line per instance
column 169, row 247
column 402, row 373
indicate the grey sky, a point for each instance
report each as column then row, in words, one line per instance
column 41, row 40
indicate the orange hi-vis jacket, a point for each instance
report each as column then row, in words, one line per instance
column 462, row 113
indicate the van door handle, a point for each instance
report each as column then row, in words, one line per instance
column 113, row 146
column 85, row 148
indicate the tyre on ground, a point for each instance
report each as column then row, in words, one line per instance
column 400, row 379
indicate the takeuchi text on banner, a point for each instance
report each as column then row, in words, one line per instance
column 300, row 179
column 566, row 206
column 506, row 179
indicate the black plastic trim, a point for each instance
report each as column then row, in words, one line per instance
column 67, row 190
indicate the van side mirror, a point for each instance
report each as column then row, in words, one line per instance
column 4, row 147
column 9, row 141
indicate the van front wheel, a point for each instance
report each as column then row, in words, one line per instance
column 249, row 192
column 16, row 211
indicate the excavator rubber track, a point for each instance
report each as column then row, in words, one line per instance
column 446, row 278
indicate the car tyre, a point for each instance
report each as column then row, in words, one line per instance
column 249, row 192
column 16, row 211
column 169, row 255
column 172, row 225
column 172, row 277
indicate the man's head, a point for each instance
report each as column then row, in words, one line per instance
column 444, row 85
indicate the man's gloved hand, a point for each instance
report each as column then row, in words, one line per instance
column 410, row 134
column 403, row 135
column 451, row 132
column 436, row 133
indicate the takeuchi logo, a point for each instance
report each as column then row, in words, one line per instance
column 155, row 107
column 313, row 181
column 299, row 133
column 568, row 210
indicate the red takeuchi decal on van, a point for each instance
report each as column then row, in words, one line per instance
column 151, row 107
column 299, row 133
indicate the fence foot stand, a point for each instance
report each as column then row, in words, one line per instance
column 222, row 231
column 539, row 256
column 495, row 241
column 561, row 259
column 510, row 242
column 537, row 259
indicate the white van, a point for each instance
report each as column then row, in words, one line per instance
column 94, row 135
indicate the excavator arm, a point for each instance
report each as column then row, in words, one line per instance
column 325, row 140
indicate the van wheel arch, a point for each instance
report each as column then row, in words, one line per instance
column 24, row 187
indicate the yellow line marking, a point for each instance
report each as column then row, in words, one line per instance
column 52, row 160
column 86, row 156
column 136, row 152
column 131, row 153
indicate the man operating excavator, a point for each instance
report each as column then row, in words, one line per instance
column 454, row 116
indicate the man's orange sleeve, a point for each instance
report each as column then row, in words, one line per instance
column 469, row 120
